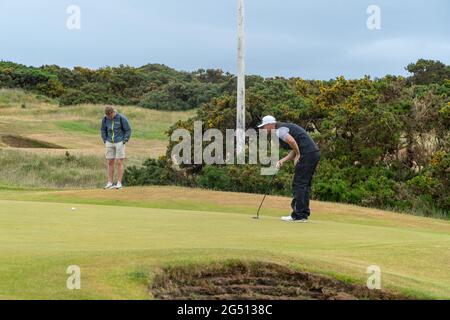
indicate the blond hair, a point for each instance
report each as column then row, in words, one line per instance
column 109, row 110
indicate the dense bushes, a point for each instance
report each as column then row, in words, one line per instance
column 180, row 96
column 153, row 172
column 156, row 172
column 372, row 186
column 433, row 183
column 150, row 86
column 385, row 142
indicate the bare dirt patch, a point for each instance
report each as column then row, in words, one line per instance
column 256, row 280
column 27, row 143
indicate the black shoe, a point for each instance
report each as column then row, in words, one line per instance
column 296, row 218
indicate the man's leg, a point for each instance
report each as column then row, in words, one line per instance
column 110, row 157
column 111, row 163
column 119, row 170
column 120, row 156
column 299, row 186
column 307, row 211
column 308, row 190
column 304, row 172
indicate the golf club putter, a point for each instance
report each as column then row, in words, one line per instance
column 265, row 196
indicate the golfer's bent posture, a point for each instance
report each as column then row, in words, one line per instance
column 306, row 156
column 116, row 132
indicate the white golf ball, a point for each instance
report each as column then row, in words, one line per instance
column 73, row 209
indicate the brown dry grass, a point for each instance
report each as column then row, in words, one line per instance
column 77, row 128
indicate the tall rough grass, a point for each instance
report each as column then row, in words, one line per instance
column 18, row 98
column 25, row 169
column 24, row 114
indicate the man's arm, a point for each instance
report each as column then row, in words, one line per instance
column 293, row 155
column 289, row 157
column 126, row 127
column 104, row 131
column 293, row 144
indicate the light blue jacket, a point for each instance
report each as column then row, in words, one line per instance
column 117, row 130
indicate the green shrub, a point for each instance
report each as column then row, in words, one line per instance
column 216, row 178
column 153, row 172
column 150, row 86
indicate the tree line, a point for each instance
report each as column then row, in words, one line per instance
column 152, row 86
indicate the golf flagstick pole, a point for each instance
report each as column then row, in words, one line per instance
column 240, row 112
column 265, row 196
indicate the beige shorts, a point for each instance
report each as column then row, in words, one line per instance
column 115, row 150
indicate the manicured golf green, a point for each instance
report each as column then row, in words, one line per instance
column 120, row 246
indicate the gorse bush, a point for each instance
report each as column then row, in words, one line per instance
column 151, row 86
column 152, row 173
column 155, row 172
column 385, row 142
column 434, row 181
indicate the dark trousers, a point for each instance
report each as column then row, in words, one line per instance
column 304, row 172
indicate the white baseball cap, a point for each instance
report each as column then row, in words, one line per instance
column 267, row 120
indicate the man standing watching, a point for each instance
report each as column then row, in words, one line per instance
column 306, row 156
column 116, row 132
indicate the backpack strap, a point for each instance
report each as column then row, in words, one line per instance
column 121, row 123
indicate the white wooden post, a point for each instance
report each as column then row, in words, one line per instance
column 240, row 114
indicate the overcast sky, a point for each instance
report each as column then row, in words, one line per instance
column 318, row 39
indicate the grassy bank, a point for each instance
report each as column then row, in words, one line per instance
column 42, row 124
column 26, row 169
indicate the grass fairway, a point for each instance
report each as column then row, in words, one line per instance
column 121, row 239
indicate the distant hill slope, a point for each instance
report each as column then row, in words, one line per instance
column 153, row 86
column 32, row 126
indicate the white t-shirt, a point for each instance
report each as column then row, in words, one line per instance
column 282, row 133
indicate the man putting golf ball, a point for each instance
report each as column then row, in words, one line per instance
column 306, row 156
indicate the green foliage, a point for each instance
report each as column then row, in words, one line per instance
column 434, row 181
column 377, row 139
column 153, row 172
column 180, row 96
column 73, row 97
column 428, row 72
column 237, row 179
column 150, row 86
column 214, row 178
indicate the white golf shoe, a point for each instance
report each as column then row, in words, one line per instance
column 109, row 185
column 118, row 186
